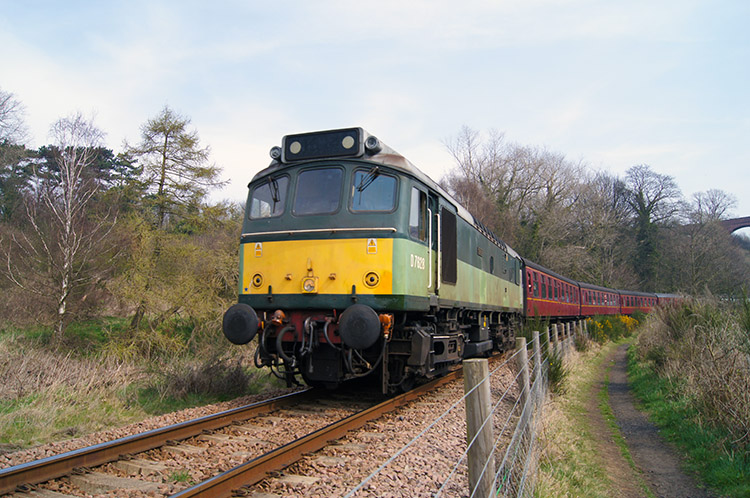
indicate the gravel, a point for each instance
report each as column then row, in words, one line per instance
column 419, row 471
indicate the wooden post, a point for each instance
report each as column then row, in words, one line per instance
column 537, row 353
column 547, row 345
column 522, row 362
column 555, row 339
column 478, row 409
column 537, row 368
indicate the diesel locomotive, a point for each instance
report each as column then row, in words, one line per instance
column 353, row 262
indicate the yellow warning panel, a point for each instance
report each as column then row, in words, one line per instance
column 337, row 263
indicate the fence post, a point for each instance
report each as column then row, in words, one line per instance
column 478, row 409
column 547, row 344
column 537, row 395
column 555, row 339
column 537, row 353
column 522, row 362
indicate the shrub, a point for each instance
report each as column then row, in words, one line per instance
column 700, row 346
column 557, row 373
column 582, row 343
column 610, row 328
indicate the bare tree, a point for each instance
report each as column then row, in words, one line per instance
column 530, row 189
column 713, row 204
column 702, row 252
column 54, row 258
column 653, row 199
column 652, row 196
column 12, row 126
column 13, row 155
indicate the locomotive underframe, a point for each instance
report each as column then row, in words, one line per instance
column 415, row 346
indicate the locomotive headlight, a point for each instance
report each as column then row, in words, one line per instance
column 372, row 279
column 257, row 280
column 310, row 285
column 372, row 145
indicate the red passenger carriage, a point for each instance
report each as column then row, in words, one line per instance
column 549, row 295
column 631, row 301
column 597, row 300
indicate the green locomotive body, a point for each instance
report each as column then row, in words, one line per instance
column 353, row 262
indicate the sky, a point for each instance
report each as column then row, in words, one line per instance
column 610, row 83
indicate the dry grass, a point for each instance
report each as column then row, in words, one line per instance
column 51, row 393
column 704, row 348
column 47, row 396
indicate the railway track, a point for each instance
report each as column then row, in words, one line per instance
column 140, row 454
column 34, row 472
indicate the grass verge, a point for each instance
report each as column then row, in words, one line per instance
column 53, row 392
column 720, row 468
column 569, row 463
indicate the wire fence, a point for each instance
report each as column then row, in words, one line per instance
column 517, row 390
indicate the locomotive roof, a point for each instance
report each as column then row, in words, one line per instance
column 372, row 150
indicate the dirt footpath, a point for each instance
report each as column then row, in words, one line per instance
column 656, row 459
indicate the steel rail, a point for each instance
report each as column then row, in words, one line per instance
column 59, row 465
column 256, row 469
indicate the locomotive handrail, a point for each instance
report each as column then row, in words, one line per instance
column 429, row 247
column 323, row 230
column 439, row 254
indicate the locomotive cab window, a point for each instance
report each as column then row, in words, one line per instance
column 268, row 198
column 318, row 191
column 373, row 192
column 418, row 215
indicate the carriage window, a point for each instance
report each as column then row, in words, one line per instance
column 418, row 215
column 373, row 192
column 318, row 191
column 268, row 198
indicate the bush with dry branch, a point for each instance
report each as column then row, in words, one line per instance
column 703, row 347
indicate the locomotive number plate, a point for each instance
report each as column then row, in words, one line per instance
column 417, row 262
